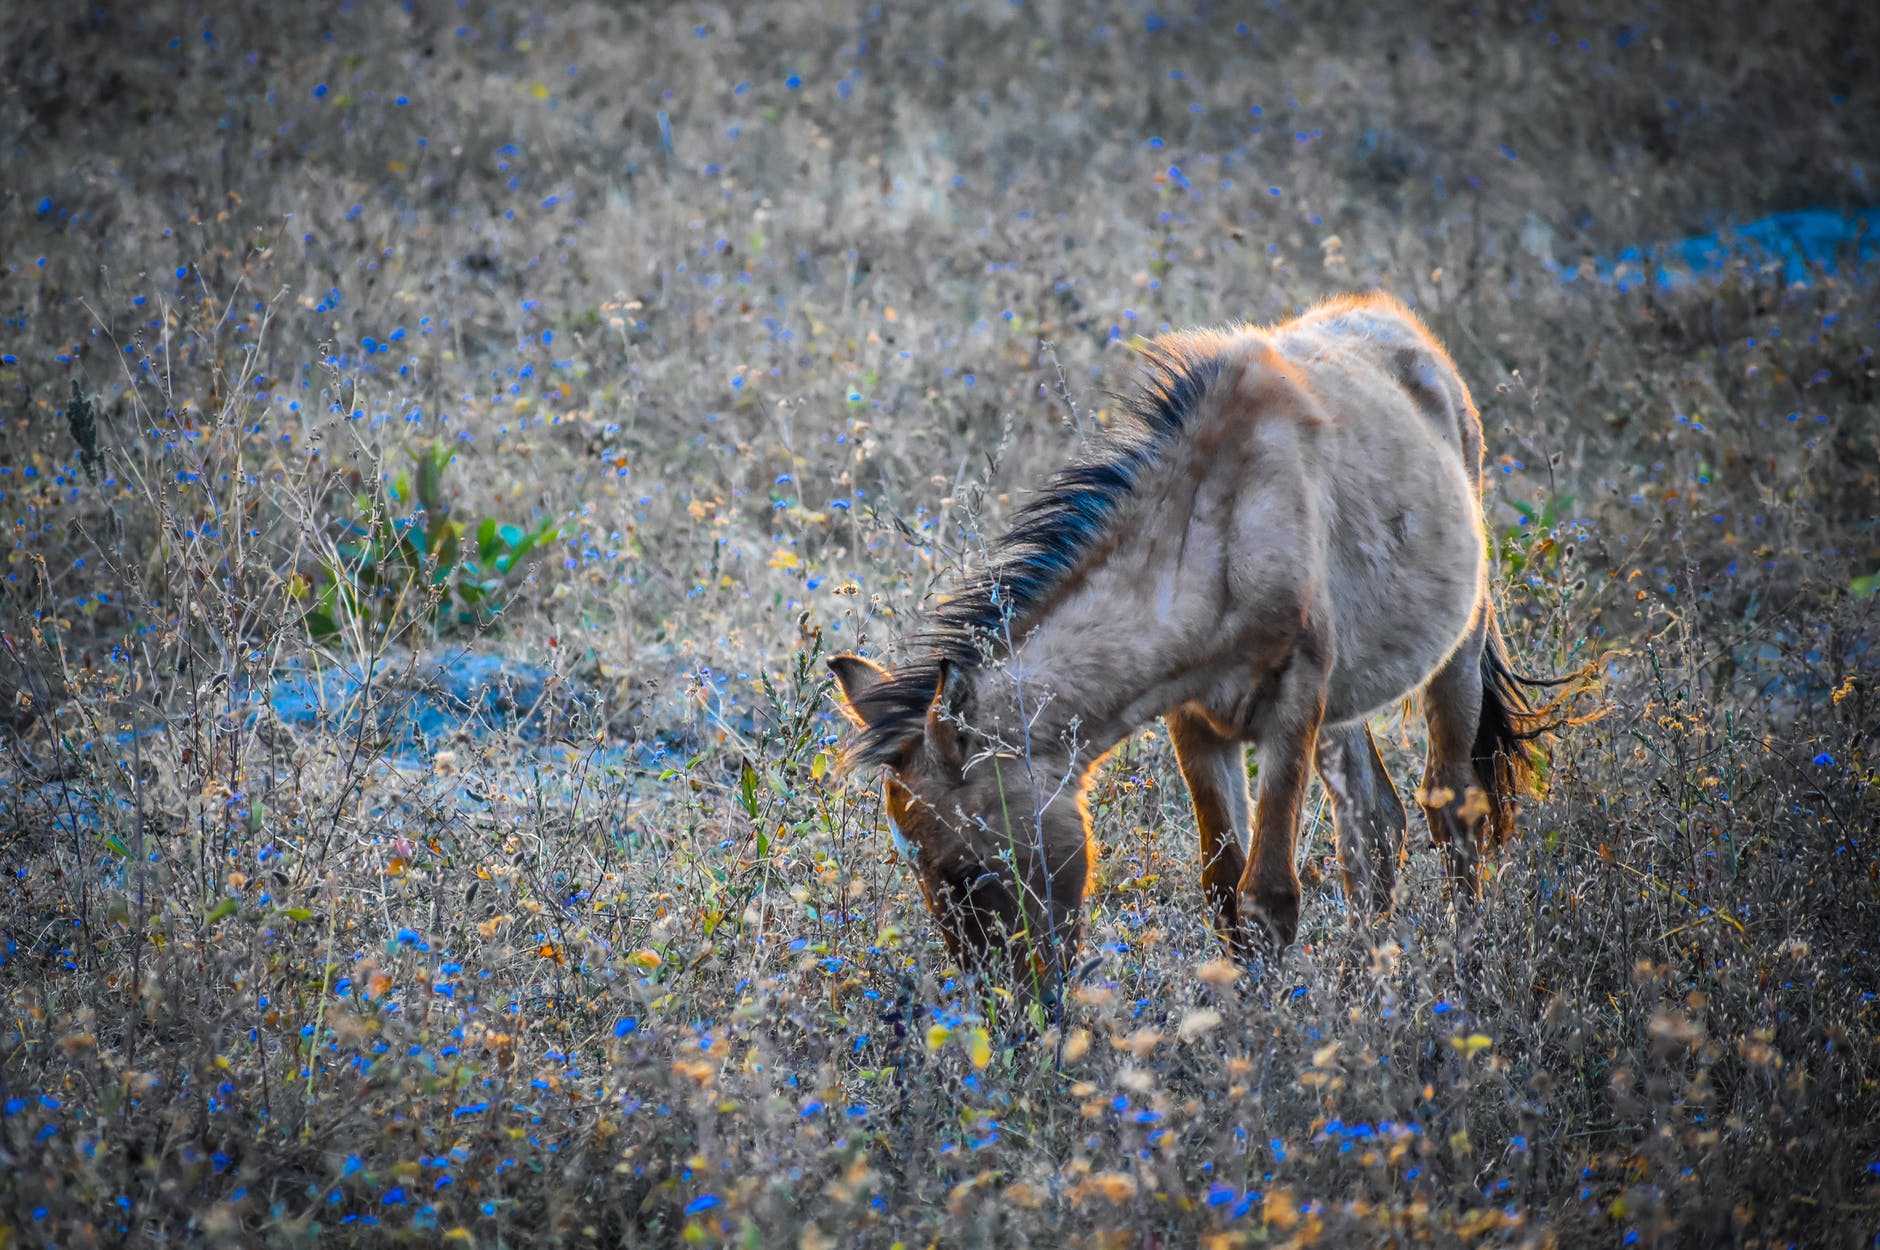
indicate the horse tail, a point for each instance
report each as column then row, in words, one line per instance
column 1514, row 734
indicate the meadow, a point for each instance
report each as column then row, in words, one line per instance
column 650, row 355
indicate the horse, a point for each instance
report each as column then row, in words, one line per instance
column 1282, row 536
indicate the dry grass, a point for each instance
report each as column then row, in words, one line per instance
column 773, row 317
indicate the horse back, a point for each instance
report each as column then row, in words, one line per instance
column 1382, row 355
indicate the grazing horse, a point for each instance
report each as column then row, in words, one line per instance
column 1286, row 538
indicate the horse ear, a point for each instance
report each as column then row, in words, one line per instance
column 951, row 691
column 951, row 694
column 859, row 679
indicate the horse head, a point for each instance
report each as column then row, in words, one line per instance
column 998, row 839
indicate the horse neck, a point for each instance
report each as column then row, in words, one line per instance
column 1087, row 670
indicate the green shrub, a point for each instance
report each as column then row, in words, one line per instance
column 392, row 570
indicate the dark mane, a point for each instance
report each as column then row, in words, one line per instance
column 1047, row 541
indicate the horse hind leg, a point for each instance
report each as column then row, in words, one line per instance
column 1454, row 798
column 1215, row 769
column 1367, row 815
column 1487, row 743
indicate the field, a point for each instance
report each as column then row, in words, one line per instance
column 650, row 356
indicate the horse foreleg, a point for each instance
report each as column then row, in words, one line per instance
column 1452, row 796
column 1215, row 769
column 1368, row 816
column 1288, row 734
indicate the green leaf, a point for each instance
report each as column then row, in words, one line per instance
column 410, row 543
column 431, row 478
column 116, row 846
column 1864, row 587
column 447, row 553
column 296, row 913
column 529, row 543
column 747, row 789
column 221, row 911
column 486, row 540
column 320, row 626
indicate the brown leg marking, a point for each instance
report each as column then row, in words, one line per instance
column 1215, row 769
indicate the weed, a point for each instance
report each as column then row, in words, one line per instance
column 393, row 569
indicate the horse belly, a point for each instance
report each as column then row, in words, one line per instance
column 1406, row 584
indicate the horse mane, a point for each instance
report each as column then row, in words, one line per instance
column 1047, row 542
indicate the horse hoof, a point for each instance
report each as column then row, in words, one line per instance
column 1269, row 921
